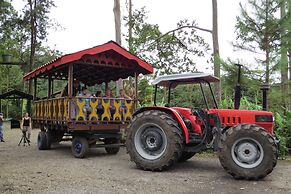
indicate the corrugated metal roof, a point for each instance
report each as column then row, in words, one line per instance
column 184, row 78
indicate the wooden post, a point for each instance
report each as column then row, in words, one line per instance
column 70, row 88
column 35, row 89
column 49, row 86
column 52, row 92
column 136, row 89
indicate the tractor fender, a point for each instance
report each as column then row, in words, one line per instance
column 171, row 112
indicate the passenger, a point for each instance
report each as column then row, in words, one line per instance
column 98, row 93
column 131, row 93
column 100, row 109
column 86, row 108
column 76, row 89
column 73, row 103
column 123, row 97
column 108, row 94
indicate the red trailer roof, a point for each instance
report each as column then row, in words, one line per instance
column 116, row 62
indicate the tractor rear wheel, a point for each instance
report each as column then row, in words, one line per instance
column 154, row 140
column 248, row 152
column 186, row 156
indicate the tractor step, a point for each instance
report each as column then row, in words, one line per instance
column 194, row 138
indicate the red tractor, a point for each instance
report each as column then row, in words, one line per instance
column 160, row 136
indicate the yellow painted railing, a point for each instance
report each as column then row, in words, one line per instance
column 55, row 108
column 84, row 109
column 102, row 109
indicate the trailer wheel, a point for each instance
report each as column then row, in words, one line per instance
column 248, row 152
column 79, row 147
column 154, row 141
column 109, row 149
column 55, row 136
column 186, row 156
column 42, row 140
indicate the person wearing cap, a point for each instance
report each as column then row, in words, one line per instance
column 1, row 128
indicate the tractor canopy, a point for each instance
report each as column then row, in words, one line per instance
column 185, row 78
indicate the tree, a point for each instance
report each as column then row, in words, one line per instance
column 257, row 31
column 9, row 43
column 172, row 52
column 34, row 25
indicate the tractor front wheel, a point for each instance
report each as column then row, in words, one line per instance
column 154, row 140
column 248, row 152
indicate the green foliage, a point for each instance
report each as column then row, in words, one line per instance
column 172, row 52
column 245, row 104
column 283, row 131
column 250, row 86
column 15, row 40
column 258, row 31
column 145, row 92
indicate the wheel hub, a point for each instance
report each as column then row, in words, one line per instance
column 78, row 147
column 150, row 141
column 247, row 153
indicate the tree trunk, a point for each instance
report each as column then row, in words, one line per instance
column 267, row 78
column 289, row 81
column 32, row 7
column 284, row 59
column 216, row 56
column 117, row 19
column 289, row 59
column 130, row 24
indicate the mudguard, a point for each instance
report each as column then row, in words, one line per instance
column 171, row 112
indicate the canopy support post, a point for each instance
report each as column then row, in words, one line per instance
column 135, row 92
column 35, row 89
column 70, row 88
column 49, row 86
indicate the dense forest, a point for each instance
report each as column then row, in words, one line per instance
column 263, row 29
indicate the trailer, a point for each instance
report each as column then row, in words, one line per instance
column 63, row 118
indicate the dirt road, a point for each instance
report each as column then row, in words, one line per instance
column 28, row 170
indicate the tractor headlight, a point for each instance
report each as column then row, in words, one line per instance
column 264, row 118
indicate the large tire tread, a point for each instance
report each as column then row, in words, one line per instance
column 178, row 139
column 238, row 172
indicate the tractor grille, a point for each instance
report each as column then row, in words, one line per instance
column 231, row 120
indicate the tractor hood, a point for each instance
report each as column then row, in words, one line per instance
column 230, row 117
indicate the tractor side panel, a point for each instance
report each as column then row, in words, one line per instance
column 171, row 112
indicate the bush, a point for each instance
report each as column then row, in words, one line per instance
column 283, row 132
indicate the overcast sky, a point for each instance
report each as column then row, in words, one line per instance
column 88, row 23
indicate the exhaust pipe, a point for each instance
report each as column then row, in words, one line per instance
column 265, row 87
column 237, row 94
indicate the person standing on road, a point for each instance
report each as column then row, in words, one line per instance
column 26, row 125
column 1, row 128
